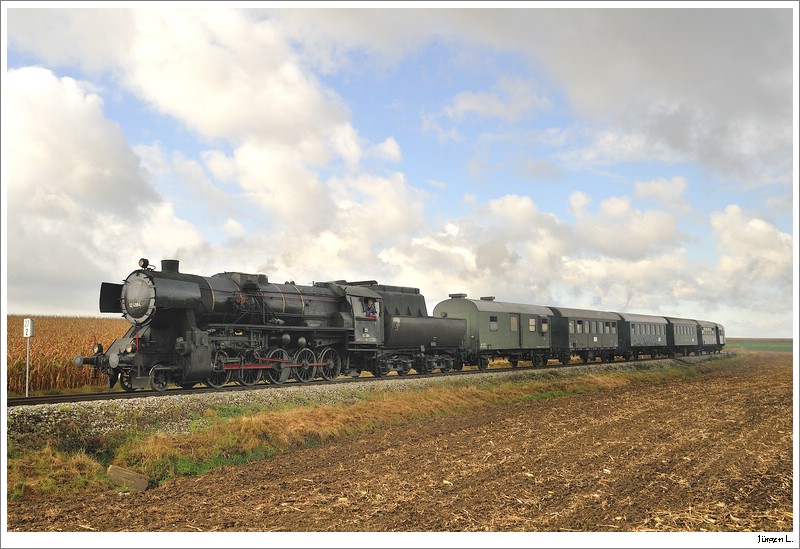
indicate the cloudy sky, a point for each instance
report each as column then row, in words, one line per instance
column 632, row 160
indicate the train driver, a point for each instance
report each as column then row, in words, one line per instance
column 369, row 309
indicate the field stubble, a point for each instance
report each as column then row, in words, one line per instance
column 711, row 451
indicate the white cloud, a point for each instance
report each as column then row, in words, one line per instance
column 233, row 228
column 430, row 125
column 79, row 200
column 667, row 192
column 756, row 262
column 510, row 100
column 389, row 150
column 614, row 146
column 618, row 230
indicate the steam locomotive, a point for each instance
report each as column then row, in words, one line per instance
column 188, row 329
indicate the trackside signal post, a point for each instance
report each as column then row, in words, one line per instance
column 27, row 332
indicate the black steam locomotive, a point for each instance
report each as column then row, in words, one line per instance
column 188, row 329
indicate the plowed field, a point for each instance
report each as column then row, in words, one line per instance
column 710, row 453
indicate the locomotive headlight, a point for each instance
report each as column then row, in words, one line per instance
column 129, row 348
column 98, row 348
column 144, row 263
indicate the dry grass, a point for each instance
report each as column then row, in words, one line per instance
column 48, row 470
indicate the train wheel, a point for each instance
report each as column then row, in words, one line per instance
column 404, row 369
column 304, row 372
column 125, row 380
column 514, row 363
column 279, row 372
column 248, row 377
column 332, row 364
column 158, row 379
column 220, row 377
column 483, row 363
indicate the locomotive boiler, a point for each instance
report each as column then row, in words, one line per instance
column 186, row 329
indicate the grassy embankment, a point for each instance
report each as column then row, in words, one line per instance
column 70, row 459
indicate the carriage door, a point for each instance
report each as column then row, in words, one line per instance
column 516, row 333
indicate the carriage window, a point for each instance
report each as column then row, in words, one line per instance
column 572, row 326
column 608, row 327
column 531, row 324
column 544, row 325
column 492, row 323
column 514, row 323
column 579, row 327
column 613, row 327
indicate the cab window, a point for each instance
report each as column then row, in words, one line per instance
column 369, row 307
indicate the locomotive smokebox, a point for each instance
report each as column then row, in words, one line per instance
column 169, row 265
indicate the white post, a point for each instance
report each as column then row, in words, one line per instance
column 27, row 332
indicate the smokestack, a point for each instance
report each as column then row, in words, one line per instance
column 169, row 265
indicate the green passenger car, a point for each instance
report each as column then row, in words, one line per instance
column 586, row 334
column 497, row 329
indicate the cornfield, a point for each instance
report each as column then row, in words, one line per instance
column 55, row 342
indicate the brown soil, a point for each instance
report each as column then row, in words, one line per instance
column 711, row 453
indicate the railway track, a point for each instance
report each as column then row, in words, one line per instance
column 149, row 393
column 121, row 395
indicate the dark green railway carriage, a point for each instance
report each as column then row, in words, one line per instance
column 682, row 335
column 586, row 334
column 643, row 335
column 711, row 336
column 497, row 329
